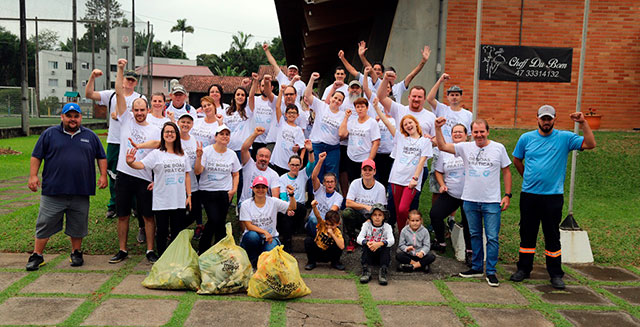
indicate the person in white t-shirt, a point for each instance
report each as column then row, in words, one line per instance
column 289, row 137
column 373, row 81
column 411, row 152
column 262, row 108
column 364, row 137
column 449, row 172
column 484, row 160
column 259, row 167
column 283, row 79
column 363, row 193
column 337, row 85
column 204, row 129
column 178, row 104
column 215, row 92
column 130, row 182
column 156, row 116
column 171, row 183
column 258, row 217
column 107, row 98
column 328, row 117
column 325, row 193
column 218, row 167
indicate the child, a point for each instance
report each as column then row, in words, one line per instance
column 413, row 245
column 376, row 238
column 328, row 242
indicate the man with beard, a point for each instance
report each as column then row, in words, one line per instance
column 68, row 179
column 131, row 182
column 545, row 151
column 259, row 167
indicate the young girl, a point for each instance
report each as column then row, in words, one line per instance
column 171, row 183
column 156, row 116
column 328, row 243
column 289, row 137
column 413, row 245
column 376, row 238
column 411, row 152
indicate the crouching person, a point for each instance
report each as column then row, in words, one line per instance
column 413, row 245
column 328, row 242
column 376, row 238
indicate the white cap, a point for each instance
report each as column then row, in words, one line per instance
column 222, row 128
column 546, row 110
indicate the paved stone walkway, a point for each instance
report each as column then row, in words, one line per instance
column 101, row 294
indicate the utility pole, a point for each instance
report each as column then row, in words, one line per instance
column 74, row 55
column 37, row 68
column 133, row 34
column 108, row 72
column 93, row 65
column 23, row 68
column 149, row 77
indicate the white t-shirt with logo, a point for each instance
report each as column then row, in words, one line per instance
column 408, row 152
column 326, row 123
column 398, row 90
column 326, row 202
column 482, row 170
column 240, row 128
column 462, row 116
column 452, row 169
column 373, row 87
column 361, row 136
column 169, row 171
column 139, row 134
column 158, row 122
column 425, row 117
column 114, row 125
column 387, row 142
column 218, row 169
column 265, row 217
column 250, row 171
column 359, row 194
column 179, row 111
column 204, row 132
column 286, row 137
column 344, row 89
column 264, row 115
column 299, row 184
column 189, row 147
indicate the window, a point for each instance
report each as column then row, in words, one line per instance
column 84, row 83
column 164, row 83
column 53, row 82
column 69, row 83
column 69, row 66
column 113, row 84
column 114, row 68
column 53, row 65
column 85, row 65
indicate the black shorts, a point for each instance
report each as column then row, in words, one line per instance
column 128, row 187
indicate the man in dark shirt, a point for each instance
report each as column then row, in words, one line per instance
column 68, row 179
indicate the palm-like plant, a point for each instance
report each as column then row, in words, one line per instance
column 182, row 27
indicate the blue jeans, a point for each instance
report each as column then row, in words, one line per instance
column 255, row 244
column 312, row 225
column 477, row 212
column 331, row 162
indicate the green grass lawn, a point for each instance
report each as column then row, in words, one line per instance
column 16, row 121
column 607, row 203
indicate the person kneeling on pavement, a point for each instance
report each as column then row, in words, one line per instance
column 376, row 238
column 413, row 245
column 328, row 242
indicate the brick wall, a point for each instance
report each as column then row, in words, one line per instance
column 612, row 65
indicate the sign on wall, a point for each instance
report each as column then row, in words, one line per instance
column 525, row 64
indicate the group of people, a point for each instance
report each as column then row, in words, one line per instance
column 356, row 155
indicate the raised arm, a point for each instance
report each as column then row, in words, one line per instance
column 251, row 101
column 270, row 58
column 121, row 103
column 342, row 131
column 89, row 90
column 347, row 65
column 431, row 97
column 244, row 151
column 268, row 92
column 589, row 139
column 279, row 103
column 442, row 144
column 425, row 56
column 308, row 92
column 362, row 49
column 365, row 84
column 131, row 159
column 315, row 181
column 383, row 117
column 382, row 91
column 292, row 197
column 198, row 167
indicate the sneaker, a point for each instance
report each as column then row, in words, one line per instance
column 35, row 261
column 382, row 276
column 519, row 276
column 468, row 259
column 121, row 255
column 405, row 267
column 142, row 236
column 76, row 259
column 350, row 246
column 557, row 283
column 152, row 257
column 471, row 273
column 310, row 266
column 426, row 269
column 492, row 280
column 198, row 233
column 366, row 275
column 111, row 214
column 338, row 265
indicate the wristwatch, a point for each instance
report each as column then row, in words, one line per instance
column 509, row 195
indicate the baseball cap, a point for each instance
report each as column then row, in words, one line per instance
column 454, row 88
column 178, row 88
column 369, row 163
column 382, row 208
column 546, row 110
column 294, row 67
column 222, row 128
column 355, row 82
column 185, row 114
column 71, row 107
column 260, row 180
column 131, row 74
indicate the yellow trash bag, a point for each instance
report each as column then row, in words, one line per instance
column 277, row 277
column 225, row 267
column 177, row 268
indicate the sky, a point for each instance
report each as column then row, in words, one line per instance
column 214, row 21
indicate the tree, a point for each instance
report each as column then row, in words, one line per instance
column 47, row 39
column 10, row 63
column 240, row 41
column 182, row 27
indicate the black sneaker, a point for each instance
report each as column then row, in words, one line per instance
column 111, row 214
column 121, row 255
column 310, row 266
column 557, row 283
column 366, row 275
column 35, row 261
column 405, row 267
column 382, row 276
column 76, row 259
column 338, row 265
column 519, row 276
column 471, row 273
column 142, row 236
column 426, row 269
column 152, row 257
column 492, row 280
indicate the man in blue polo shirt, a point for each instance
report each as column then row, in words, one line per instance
column 68, row 179
column 545, row 151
